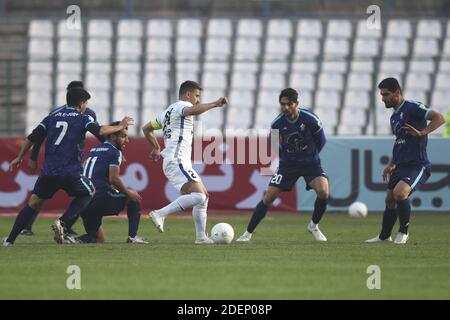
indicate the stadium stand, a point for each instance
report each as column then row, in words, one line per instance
column 134, row 66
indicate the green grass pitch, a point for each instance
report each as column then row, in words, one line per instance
column 281, row 262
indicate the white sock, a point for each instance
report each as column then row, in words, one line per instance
column 199, row 215
column 182, row 202
column 247, row 234
column 312, row 225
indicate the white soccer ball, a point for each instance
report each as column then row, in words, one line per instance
column 222, row 233
column 357, row 210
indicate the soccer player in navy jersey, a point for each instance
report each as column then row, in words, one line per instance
column 76, row 206
column 111, row 196
column 64, row 130
column 409, row 167
column 301, row 140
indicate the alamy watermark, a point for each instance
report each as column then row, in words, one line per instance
column 73, row 21
column 237, row 146
column 74, row 280
column 374, row 280
column 373, row 22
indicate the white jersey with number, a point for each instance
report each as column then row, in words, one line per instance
column 178, row 132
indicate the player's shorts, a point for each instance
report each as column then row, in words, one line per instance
column 179, row 173
column 104, row 204
column 413, row 175
column 74, row 186
column 287, row 176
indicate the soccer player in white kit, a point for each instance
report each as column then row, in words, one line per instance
column 177, row 123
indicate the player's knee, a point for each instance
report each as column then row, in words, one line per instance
column 400, row 195
column 323, row 194
column 269, row 198
column 390, row 202
column 35, row 202
column 199, row 197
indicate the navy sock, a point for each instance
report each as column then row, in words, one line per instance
column 134, row 216
column 86, row 238
column 389, row 219
column 22, row 219
column 29, row 225
column 70, row 216
column 404, row 213
column 320, row 205
column 258, row 215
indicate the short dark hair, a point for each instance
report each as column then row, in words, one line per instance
column 75, row 84
column 76, row 95
column 188, row 86
column 289, row 93
column 114, row 123
column 391, row 84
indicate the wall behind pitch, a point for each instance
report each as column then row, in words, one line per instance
column 232, row 186
column 355, row 167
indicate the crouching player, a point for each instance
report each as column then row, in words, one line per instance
column 103, row 168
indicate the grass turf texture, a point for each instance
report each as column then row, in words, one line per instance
column 281, row 262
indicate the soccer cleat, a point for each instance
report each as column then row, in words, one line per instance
column 245, row 237
column 377, row 239
column 136, row 240
column 204, row 241
column 157, row 220
column 401, row 238
column 70, row 232
column 318, row 235
column 58, row 228
column 26, row 232
column 68, row 239
column 6, row 243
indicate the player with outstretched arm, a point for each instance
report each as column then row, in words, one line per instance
column 177, row 123
column 64, row 130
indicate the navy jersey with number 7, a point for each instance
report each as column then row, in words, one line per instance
column 65, row 130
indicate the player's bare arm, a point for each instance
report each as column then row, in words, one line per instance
column 436, row 120
column 149, row 134
column 26, row 146
column 387, row 171
column 201, row 108
column 118, row 184
column 107, row 130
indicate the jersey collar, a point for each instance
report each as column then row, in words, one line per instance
column 400, row 106
column 111, row 145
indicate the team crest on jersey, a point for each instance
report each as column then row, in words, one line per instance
column 302, row 127
column 422, row 106
column 401, row 115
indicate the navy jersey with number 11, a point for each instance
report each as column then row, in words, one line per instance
column 96, row 167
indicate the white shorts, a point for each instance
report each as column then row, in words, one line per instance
column 179, row 172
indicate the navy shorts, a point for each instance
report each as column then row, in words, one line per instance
column 74, row 186
column 413, row 175
column 287, row 176
column 105, row 204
